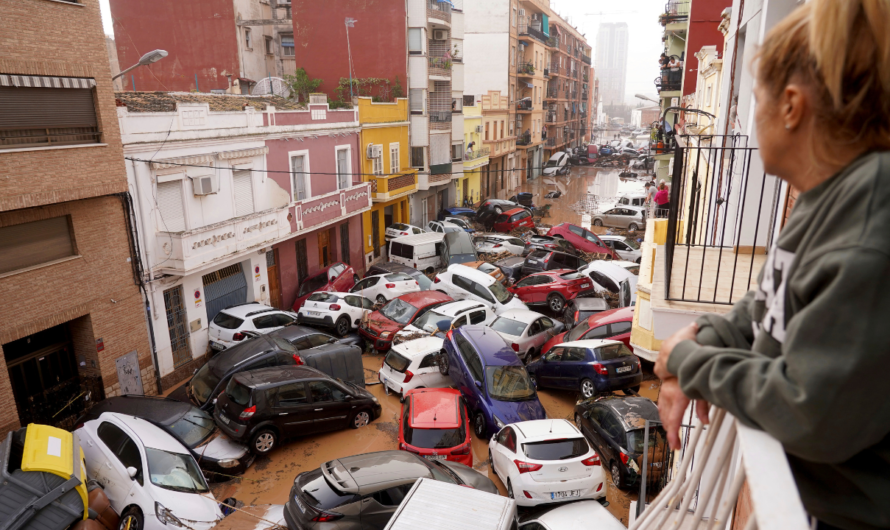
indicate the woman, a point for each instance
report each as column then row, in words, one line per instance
column 803, row 356
column 662, row 200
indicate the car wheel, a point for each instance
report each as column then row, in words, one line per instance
column 556, row 303
column 443, row 363
column 529, row 354
column 131, row 519
column 533, row 379
column 263, row 441
column 618, row 476
column 381, row 299
column 578, row 421
column 360, row 419
column 491, row 463
column 479, row 426
column 597, row 222
column 636, row 388
column 510, row 489
column 355, row 279
column 343, row 326
column 588, row 389
column 633, row 227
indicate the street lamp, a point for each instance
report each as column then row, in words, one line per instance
column 147, row 59
column 647, row 98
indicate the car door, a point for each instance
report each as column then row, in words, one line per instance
column 504, row 451
column 539, row 332
column 621, row 331
column 344, row 279
column 119, row 452
column 573, row 367
column 525, row 219
column 597, row 436
column 471, row 371
column 291, row 410
column 481, row 317
column 428, row 372
column 355, row 306
column 548, row 373
column 483, row 294
column 613, row 435
column 524, row 289
column 379, row 506
column 330, row 406
column 367, row 287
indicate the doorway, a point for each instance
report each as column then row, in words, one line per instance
column 388, row 216
column 375, row 232
column 177, row 325
column 324, row 248
column 223, row 288
column 274, row 280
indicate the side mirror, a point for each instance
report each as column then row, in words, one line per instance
column 132, row 471
column 544, row 359
column 478, row 385
column 349, row 397
column 585, row 414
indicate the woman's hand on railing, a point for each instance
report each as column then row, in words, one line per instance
column 672, row 402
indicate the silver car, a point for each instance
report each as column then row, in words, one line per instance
column 628, row 217
column 526, row 331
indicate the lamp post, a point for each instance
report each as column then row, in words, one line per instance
column 647, row 98
column 145, row 60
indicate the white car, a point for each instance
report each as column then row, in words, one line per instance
column 412, row 364
column 384, row 287
column 626, row 248
column 455, row 314
column 461, row 223
column 526, row 331
column 400, row 229
column 557, row 165
column 608, row 276
column 463, row 283
column 238, row 322
column 341, row 311
column 581, row 514
column 633, row 268
column 497, row 243
column 443, row 227
column 544, row 461
column 151, row 480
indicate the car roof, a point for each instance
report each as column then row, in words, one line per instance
column 612, row 237
column 435, row 408
column 493, row 349
column 514, row 211
column 536, row 430
column 589, row 343
column 511, row 261
column 262, row 377
column 474, row 274
column 526, row 316
column 424, row 298
column 448, row 224
column 418, row 239
column 460, row 242
column 149, row 434
column 459, row 306
column 245, row 310
column 590, row 302
column 392, row 266
column 616, row 272
column 295, row 331
column 229, row 358
column 633, row 411
column 573, row 515
column 352, row 473
column 418, row 347
column 489, row 235
column 165, row 411
column 622, row 314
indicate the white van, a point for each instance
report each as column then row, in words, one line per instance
column 434, row 505
column 421, row 251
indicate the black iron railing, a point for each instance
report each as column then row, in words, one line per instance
column 524, row 139
column 532, row 29
column 525, row 69
column 675, row 11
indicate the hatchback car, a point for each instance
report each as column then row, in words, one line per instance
column 580, row 309
column 613, row 278
column 491, row 208
column 544, row 260
column 578, row 514
column 387, row 267
column 525, row 331
column 582, row 239
column 193, row 427
column 591, row 366
column 497, row 243
column 632, row 218
column 548, row 243
column 400, row 229
column 443, row 227
column 492, row 379
column 451, row 315
column 435, row 425
column 362, row 492
column 546, row 461
column 625, row 247
column 557, row 165
column 413, row 364
column 384, row 287
column 151, row 480
column 463, row 283
column 489, row 269
column 338, row 277
column 382, row 325
column 613, row 324
column 615, row 427
column 262, row 407
column 513, row 219
column 235, row 323
column 461, row 222
column 511, row 267
column 552, row 288
column 341, row 311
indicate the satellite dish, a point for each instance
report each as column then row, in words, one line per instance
column 271, row 85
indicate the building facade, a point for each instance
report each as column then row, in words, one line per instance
column 469, row 186
column 239, row 43
column 66, row 339
column 611, row 61
column 568, row 90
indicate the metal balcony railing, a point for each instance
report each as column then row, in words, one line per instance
column 675, row 11
column 575, row 74
column 554, row 69
column 532, row 28
column 671, row 79
column 586, row 59
column 551, row 142
column 525, row 69
column 551, row 117
column 478, row 153
column 524, row 104
column 440, row 116
column 553, row 42
column 524, row 139
column 439, row 10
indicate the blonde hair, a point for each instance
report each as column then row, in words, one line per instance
column 840, row 49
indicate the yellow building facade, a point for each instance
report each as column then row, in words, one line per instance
column 385, row 153
column 469, row 186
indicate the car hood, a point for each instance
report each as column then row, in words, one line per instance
column 221, row 447
column 515, row 303
column 471, row 477
column 199, row 511
column 516, row 411
column 380, row 323
column 553, row 342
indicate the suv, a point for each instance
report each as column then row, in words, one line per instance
column 545, row 260
column 338, row 277
column 632, row 218
column 591, row 366
column 435, row 425
column 625, row 247
column 582, row 239
column 513, row 219
column 464, row 283
column 261, row 407
column 235, row 323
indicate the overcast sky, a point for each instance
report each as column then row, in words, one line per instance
column 642, row 20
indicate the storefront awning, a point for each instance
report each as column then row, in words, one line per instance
column 530, row 85
column 42, row 81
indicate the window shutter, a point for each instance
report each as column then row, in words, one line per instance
column 415, row 42
column 342, row 169
column 30, row 244
column 170, row 206
column 416, row 99
column 243, row 189
column 299, row 181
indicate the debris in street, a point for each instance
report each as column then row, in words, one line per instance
column 405, row 337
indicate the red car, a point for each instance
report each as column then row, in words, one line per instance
column 613, row 324
column 338, row 278
column 582, row 239
column 553, row 288
column 434, row 425
column 382, row 325
column 511, row 219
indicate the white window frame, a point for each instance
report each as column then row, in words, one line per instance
column 395, row 165
column 307, row 181
column 415, row 52
column 239, row 169
column 349, row 174
column 248, row 43
column 377, row 163
column 181, row 178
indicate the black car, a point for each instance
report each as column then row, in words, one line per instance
column 193, row 427
column 511, row 267
column 615, row 425
column 262, row 407
column 523, row 198
column 389, row 267
column 339, row 358
column 580, row 309
column 549, row 243
column 491, row 208
column 542, row 260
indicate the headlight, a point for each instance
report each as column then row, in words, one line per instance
column 385, row 334
column 229, row 462
column 499, row 423
column 166, row 516
column 375, row 400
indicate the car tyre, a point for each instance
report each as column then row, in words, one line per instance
column 491, row 464
column 633, row 227
column 343, row 326
column 529, row 355
column 263, row 441
column 381, row 299
column 360, row 419
column 479, row 425
column 510, row 490
column 597, row 222
column 556, row 303
column 132, row 516
column 443, row 363
column 588, row 389
column 619, row 477
column 534, row 380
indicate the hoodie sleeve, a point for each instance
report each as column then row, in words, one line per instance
column 812, row 397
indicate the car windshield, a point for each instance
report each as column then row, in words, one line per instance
column 194, row 427
column 424, row 281
column 430, row 321
column 562, row 449
column 500, row 292
column 509, row 383
column 204, row 383
column 399, row 226
column 398, row 311
column 313, row 284
column 551, row 163
column 632, row 244
column 397, row 361
column 636, row 439
column 487, row 268
column 614, row 351
column 283, row 344
column 174, row 471
column 577, row 331
column 508, row 326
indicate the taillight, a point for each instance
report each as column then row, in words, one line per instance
column 408, row 375
column 416, row 282
column 390, row 286
column 247, row 413
column 448, row 335
column 577, row 315
column 525, row 467
column 547, row 258
column 238, row 336
column 498, row 246
column 334, row 307
column 404, row 233
column 515, row 347
column 298, row 360
column 550, row 245
column 403, row 447
column 462, row 450
column 527, row 494
column 624, row 457
column 436, row 280
column 600, row 369
column 325, row 517
column 600, row 487
column 592, row 461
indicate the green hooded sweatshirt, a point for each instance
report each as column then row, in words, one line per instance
column 806, row 355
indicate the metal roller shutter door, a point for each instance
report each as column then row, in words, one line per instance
column 243, row 188
column 224, row 288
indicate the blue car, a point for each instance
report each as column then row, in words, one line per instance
column 591, row 366
column 492, row 379
column 456, row 211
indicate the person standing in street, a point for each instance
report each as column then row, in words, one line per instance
column 803, row 355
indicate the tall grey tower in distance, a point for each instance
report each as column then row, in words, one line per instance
column 611, row 62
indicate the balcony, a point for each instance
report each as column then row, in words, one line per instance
column 501, row 146
column 546, row 72
column 387, row 188
column 48, row 136
column 439, row 11
column 675, row 11
column 440, row 59
column 586, row 59
column 550, row 117
column 575, row 74
column 532, row 28
column 551, row 93
column 525, row 70
column 524, row 139
column 524, row 105
column 476, row 159
column 553, row 42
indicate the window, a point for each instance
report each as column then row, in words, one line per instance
column 470, row 357
column 512, row 91
column 287, row 45
column 272, row 321
column 513, row 18
column 457, row 105
column 469, row 101
column 269, row 50
column 30, row 244
column 302, row 261
column 456, row 152
column 415, row 99
column 299, row 167
column 486, row 131
column 513, row 56
column 41, row 117
column 477, row 317
column 377, row 163
column 247, row 38
column 502, row 128
column 122, row 446
column 597, row 333
column 394, row 165
column 415, row 41
column 242, row 189
column 322, row 391
column 292, row 394
column 170, row 208
column 344, row 241
column 575, row 355
column 417, row 157
column 392, row 496
column 343, row 172
column 620, row 327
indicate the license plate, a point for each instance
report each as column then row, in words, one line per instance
column 299, row 504
column 216, row 346
column 314, row 313
column 435, row 457
column 564, row 494
column 224, row 418
column 585, row 285
column 532, row 261
column 623, row 369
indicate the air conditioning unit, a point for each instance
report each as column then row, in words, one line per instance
column 205, row 185
column 374, row 151
column 479, row 129
column 440, row 34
